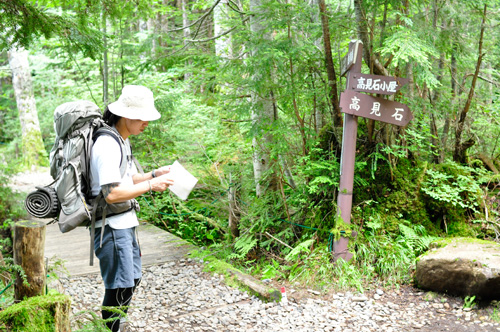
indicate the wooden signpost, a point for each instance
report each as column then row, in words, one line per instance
column 374, row 108
column 355, row 104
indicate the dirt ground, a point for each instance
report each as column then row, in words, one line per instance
column 444, row 313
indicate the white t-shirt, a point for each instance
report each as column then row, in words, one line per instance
column 105, row 169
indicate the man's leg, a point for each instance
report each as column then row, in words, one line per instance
column 119, row 298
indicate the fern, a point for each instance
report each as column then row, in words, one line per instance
column 416, row 238
column 300, row 248
column 244, row 244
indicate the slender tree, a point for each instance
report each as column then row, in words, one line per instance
column 33, row 149
column 263, row 110
column 459, row 154
column 330, row 69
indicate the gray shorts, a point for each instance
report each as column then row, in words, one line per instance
column 119, row 257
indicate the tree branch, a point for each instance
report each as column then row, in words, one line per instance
column 480, row 77
column 215, row 37
column 200, row 20
column 236, row 121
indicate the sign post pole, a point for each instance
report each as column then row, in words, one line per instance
column 349, row 135
column 354, row 105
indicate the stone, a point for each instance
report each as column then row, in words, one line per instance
column 461, row 266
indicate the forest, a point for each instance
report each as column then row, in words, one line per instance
column 249, row 93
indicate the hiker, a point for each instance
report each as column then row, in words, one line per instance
column 117, row 247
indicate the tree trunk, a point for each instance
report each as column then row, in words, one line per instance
column 330, row 69
column 320, row 107
column 186, row 32
column 488, row 162
column 234, row 211
column 105, row 69
column 223, row 43
column 363, row 34
column 33, row 149
column 263, row 112
column 459, row 154
column 435, row 142
column 448, row 115
column 29, row 244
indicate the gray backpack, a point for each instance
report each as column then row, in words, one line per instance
column 78, row 124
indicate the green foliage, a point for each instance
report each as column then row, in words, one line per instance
column 169, row 213
column 462, row 229
column 9, row 118
column 453, row 192
column 416, row 238
column 460, row 191
column 272, row 270
column 243, row 245
column 10, row 210
column 24, row 22
column 301, row 248
column 469, row 302
column 36, row 313
column 89, row 321
column 315, row 267
column 405, row 46
column 389, row 259
column 322, row 172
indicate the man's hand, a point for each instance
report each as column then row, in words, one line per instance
column 162, row 171
column 161, row 183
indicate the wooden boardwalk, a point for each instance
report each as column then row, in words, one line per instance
column 73, row 248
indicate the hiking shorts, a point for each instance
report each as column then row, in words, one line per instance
column 119, row 257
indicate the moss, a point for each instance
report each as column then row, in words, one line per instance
column 461, row 229
column 341, row 229
column 230, row 273
column 37, row 314
column 441, row 243
column 430, row 296
column 34, row 150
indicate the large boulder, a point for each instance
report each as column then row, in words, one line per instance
column 461, row 266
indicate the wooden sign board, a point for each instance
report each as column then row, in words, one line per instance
column 349, row 59
column 384, row 85
column 375, row 108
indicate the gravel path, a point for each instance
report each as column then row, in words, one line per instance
column 181, row 297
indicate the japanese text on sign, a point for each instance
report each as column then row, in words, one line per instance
column 375, row 108
column 376, row 85
column 385, row 85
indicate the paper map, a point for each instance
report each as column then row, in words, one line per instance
column 184, row 181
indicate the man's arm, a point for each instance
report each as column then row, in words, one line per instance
column 115, row 192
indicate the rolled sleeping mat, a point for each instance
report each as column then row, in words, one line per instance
column 42, row 203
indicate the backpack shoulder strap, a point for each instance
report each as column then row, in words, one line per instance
column 109, row 131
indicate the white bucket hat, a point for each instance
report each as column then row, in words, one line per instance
column 137, row 103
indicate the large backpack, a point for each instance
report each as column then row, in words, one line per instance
column 77, row 125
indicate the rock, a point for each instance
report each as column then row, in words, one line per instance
column 359, row 298
column 461, row 266
column 313, row 292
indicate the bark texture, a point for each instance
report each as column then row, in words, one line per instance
column 33, row 149
column 29, row 245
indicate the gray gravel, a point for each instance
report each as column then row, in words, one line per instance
column 181, row 297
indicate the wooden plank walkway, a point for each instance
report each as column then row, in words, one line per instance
column 73, row 248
